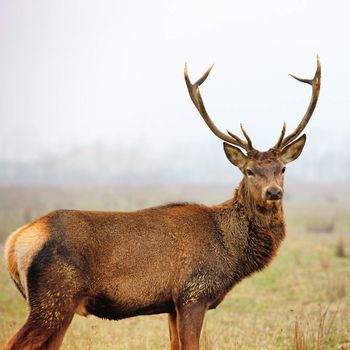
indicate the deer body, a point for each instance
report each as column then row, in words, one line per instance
column 117, row 265
column 179, row 259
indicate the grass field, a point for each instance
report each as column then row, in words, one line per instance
column 302, row 301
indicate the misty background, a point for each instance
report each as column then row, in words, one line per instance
column 92, row 92
column 95, row 115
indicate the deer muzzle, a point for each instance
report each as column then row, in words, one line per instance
column 273, row 193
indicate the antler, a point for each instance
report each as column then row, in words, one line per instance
column 316, row 85
column 196, row 98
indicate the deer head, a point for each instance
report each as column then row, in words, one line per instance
column 263, row 171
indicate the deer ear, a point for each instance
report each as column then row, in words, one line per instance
column 292, row 151
column 235, row 155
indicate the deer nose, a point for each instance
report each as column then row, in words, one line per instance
column 273, row 193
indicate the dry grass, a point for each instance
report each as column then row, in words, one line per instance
column 299, row 337
column 316, row 333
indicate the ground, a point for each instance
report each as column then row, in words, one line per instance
column 301, row 301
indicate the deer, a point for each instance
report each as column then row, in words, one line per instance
column 180, row 259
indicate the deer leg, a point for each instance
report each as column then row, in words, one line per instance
column 53, row 295
column 189, row 325
column 174, row 337
column 55, row 341
column 35, row 336
column 28, row 331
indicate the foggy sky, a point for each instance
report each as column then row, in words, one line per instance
column 80, row 72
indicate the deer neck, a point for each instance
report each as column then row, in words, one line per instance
column 252, row 233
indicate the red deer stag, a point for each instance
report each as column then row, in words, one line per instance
column 179, row 259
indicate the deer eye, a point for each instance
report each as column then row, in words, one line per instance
column 283, row 170
column 249, row 172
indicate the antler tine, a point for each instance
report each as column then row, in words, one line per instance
column 249, row 141
column 280, row 139
column 316, row 85
column 246, row 145
column 196, row 98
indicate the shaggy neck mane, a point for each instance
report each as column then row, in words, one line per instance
column 253, row 233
